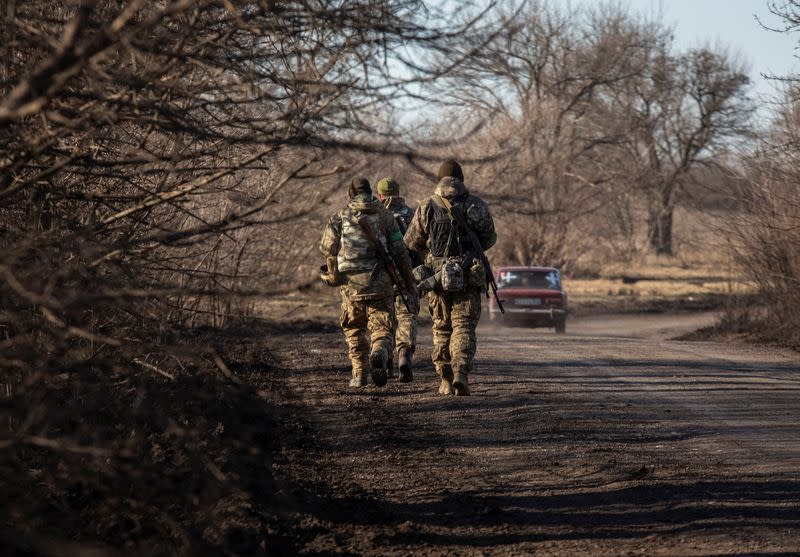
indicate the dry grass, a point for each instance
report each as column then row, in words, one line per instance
column 648, row 290
column 701, row 274
column 695, row 265
column 702, row 249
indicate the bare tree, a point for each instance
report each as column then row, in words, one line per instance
column 158, row 160
column 683, row 111
column 766, row 231
column 788, row 12
column 543, row 87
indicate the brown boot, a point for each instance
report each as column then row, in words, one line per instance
column 445, row 373
column 378, row 362
column 404, row 363
column 460, row 384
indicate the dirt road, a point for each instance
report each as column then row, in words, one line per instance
column 610, row 440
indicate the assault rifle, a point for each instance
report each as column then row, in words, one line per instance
column 386, row 259
column 458, row 215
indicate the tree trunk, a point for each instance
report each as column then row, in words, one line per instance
column 661, row 231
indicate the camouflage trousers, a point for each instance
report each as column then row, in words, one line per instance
column 367, row 327
column 405, row 331
column 455, row 316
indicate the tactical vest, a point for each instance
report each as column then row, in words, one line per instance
column 446, row 237
column 356, row 252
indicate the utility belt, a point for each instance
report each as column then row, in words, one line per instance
column 450, row 274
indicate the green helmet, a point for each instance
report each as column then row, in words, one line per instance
column 388, row 186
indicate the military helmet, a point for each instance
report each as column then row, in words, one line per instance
column 450, row 168
column 359, row 185
column 388, row 186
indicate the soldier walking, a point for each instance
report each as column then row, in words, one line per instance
column 449, row 253
column 405, row 330
column 354, row 263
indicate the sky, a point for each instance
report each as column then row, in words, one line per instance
column 730, row 24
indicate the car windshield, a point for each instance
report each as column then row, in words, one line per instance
column 529, row 279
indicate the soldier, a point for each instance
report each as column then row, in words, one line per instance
column 455, row 302
column 406, row 321
column 367, row 292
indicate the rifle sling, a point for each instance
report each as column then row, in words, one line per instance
column 385, row 259
column 442, row 201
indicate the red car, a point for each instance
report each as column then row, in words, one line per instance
column 531, row 296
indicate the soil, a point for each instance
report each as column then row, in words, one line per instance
column 609, row 440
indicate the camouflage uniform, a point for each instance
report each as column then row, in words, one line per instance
column 455, row 315
column 367, row 296
column 406, row 321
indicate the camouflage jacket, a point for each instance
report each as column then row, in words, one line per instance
column 402, row 213
column 432, row 234
column 356, row 256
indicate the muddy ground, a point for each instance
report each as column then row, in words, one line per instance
column 609, row 440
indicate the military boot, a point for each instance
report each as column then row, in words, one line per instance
column 378, row 362
column 446, row 385
column 460, row 384
column 358, row 380
column 390, row 368
column 404, row 363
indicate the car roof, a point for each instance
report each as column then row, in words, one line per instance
column 525, row 268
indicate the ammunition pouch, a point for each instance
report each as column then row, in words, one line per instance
column 476, row 274
column 421, row 272
column 441, row 274
column 452, row 275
